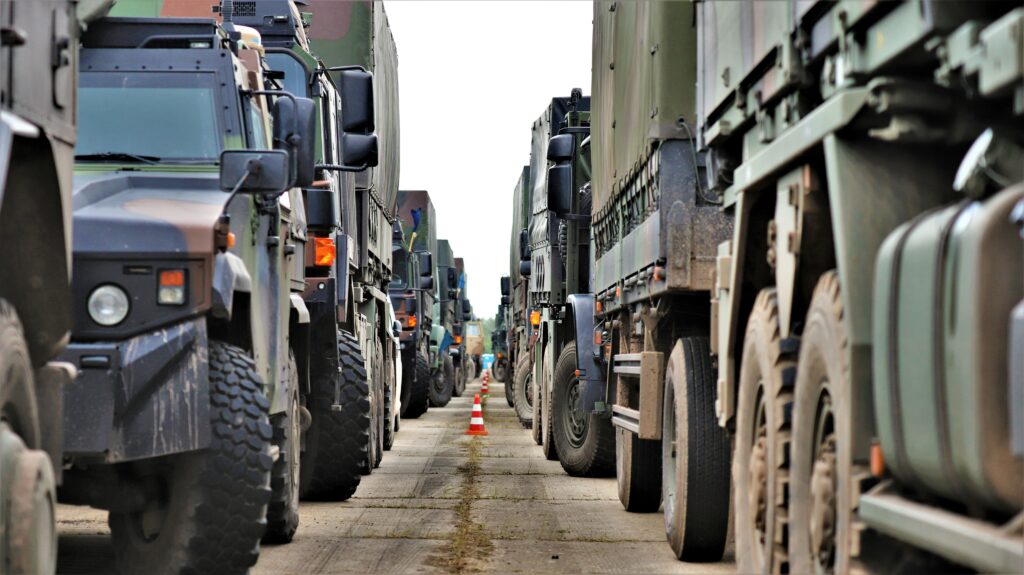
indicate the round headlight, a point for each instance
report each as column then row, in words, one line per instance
column 108, row 305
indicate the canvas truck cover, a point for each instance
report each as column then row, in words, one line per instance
column 520, row 220
column 419, row 221
column 444, row 257
column 462, row 279
column 345, row 33
column 644, row 85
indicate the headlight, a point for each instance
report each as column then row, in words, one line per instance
column 108, row 305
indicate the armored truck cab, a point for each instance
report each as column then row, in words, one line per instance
column 412, row 292
column 871, row 155
column 499, row 342
column 182, row 299
column 39, row 63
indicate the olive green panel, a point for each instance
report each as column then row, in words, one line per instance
column 644, row 84
column 344, row 33
column 520, row 218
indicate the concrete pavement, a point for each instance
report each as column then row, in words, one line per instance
column 444, row 502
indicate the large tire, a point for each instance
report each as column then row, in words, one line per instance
column 637, row 472
column 217, row 498
column 416, row 388
column 27, row 489
column 760, row 460
column 821, row 533
column 695, row 456
column 547, row 440
column 523, row 392
column 375, row 444
column 336, row 442
column 500, row 372
column 585, row 442
column 509, row 388
column 390, row 417
column 442, row 384
column 283, row 511
column 459, row 386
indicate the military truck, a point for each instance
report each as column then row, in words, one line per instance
column 499, row 342
column 182, row 292
column 655, row 233
column 516, row 291
column 412, row 293
column 367, row 42
column 571, row 425
column 871, row 155
column 39, row 59
column 464, row 368
column 443, row 374
column 341, row 441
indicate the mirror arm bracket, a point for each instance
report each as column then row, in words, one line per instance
column 341, row 167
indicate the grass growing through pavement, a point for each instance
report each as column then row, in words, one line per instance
column 469, row 544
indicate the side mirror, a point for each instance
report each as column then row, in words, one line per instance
column 468, row 316
column 396, row 328
column 356, row 87
column 452, row 294
column 560, row 175
column 504, row 300
column 505, row 285
column 426, row 283
column 426, row 260
column 254, row 171
column 524, row 268
column 524, row 244
column 359, row 150
column 452, row 277
column 295, row 132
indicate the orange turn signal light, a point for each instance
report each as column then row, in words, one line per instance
column 172, row 278
column 411, row 321
column 535, row 318
column 500, row 355
column 458, row 339
column 231, row 240
column 877, row 459
column 324, row 252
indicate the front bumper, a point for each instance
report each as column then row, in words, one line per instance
column 142, row 397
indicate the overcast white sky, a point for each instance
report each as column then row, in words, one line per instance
column 473, row 76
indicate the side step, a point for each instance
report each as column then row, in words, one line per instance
column 964, row 540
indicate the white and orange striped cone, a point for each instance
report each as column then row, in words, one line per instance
column 483, row 388
column 476, row 421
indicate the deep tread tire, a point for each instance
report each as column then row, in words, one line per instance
column 593, row 454
column 217, row 498
column 509, row 387
column 283, row 511
column 375, row 445
column 442, row 384
column 337, row 441
column 760, row 461
column 459, row 385
column 390, row 417
column 416, row 388
column 821, row 476
column 547, row 442
column 521, row 389
column 695, row 456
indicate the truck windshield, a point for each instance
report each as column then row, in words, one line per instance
column 294, row 73
column 153, row 115
column 472, row 330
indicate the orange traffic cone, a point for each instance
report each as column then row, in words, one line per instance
column 476, row 421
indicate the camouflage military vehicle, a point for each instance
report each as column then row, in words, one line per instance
column 573, row 425
column 39, row 60
column 655, row 233
column 412, row 292
column 515, row 294
column 357, row 33
column 871, row 154
column 499, row 343
column 350, row 218
column 182, row 293
column 442, row 338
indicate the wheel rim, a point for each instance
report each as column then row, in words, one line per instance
column 823, row 488
column 758, row 498
column 528, row 391
column 574, row 418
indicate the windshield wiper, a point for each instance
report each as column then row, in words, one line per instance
column 119, row 156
